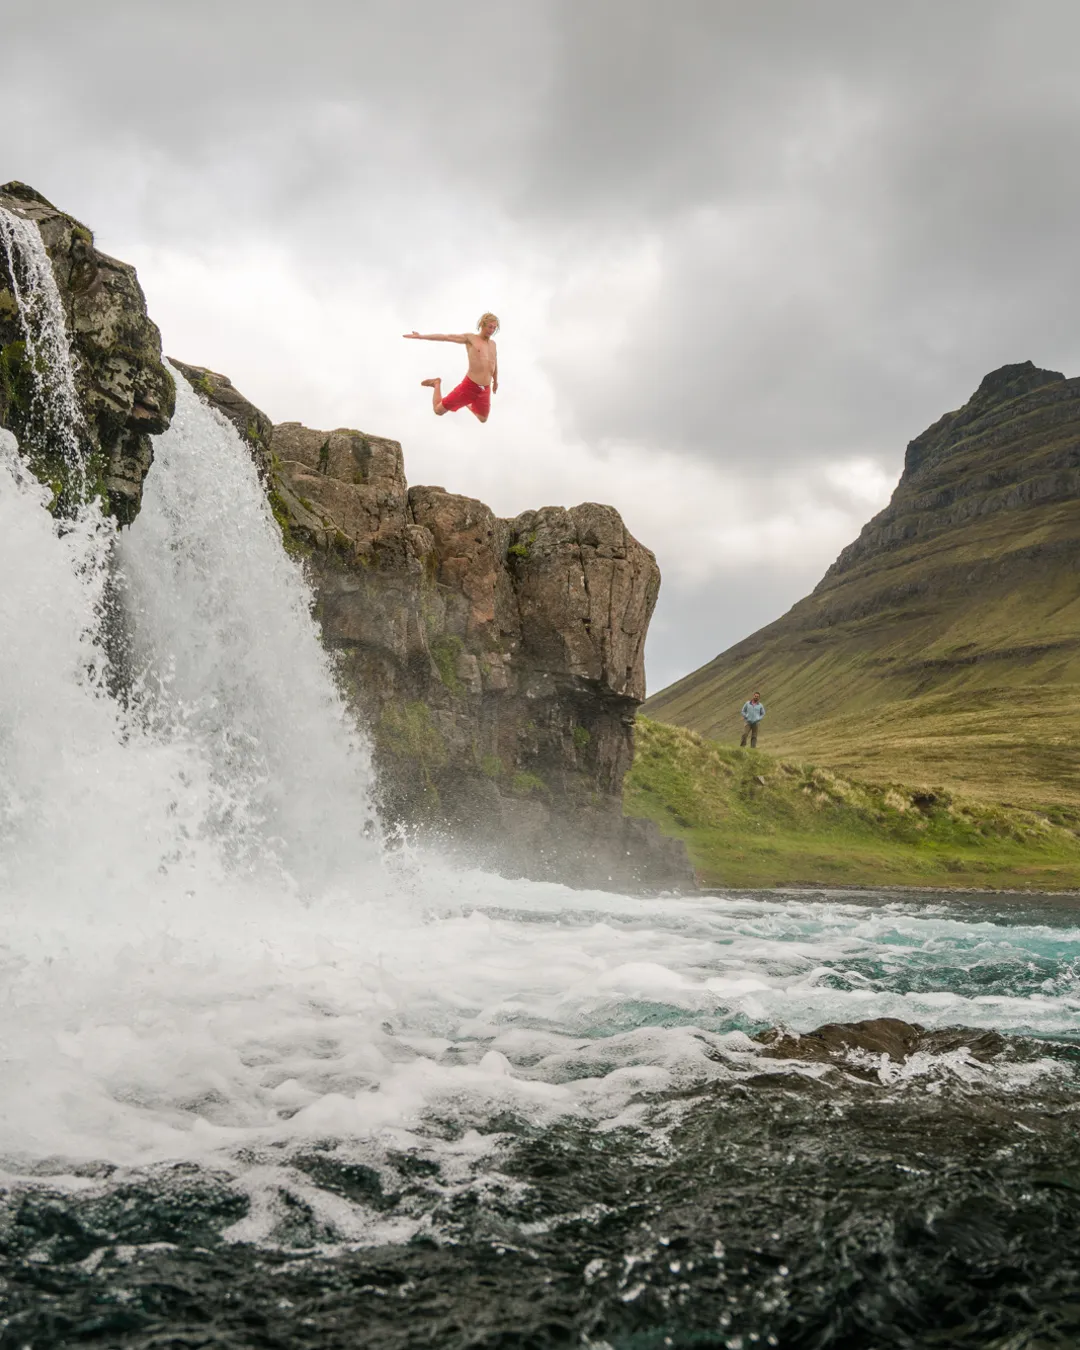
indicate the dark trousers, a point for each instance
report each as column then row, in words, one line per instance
column 749, row 729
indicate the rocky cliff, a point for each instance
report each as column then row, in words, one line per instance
column 943, row 645
column 125, row 392
column 497, row 663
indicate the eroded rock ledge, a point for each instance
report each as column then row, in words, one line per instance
column 498, row 663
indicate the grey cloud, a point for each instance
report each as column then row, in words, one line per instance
column 208, row 119
column 937, row 244
column 653, row 109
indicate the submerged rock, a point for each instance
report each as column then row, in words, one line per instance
column 890, row 1037
column 125, row 392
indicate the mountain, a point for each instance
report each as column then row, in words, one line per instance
column 943, row 645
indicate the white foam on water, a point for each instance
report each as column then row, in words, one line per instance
column 232, row 1017
column 231, row 660
column 206, row 954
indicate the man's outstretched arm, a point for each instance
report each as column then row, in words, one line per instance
column 438, row 337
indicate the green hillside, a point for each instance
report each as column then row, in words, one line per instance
column 944, row 643
column 750, row 819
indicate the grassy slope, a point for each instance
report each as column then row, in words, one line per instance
column 810, row 825
column 964, row 665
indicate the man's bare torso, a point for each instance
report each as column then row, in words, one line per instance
column 482, row 357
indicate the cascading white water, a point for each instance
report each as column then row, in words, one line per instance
column 231, row 660
column 54, row 416
column 205, row 954
column 60, row 739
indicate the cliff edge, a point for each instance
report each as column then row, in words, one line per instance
column 498, row 664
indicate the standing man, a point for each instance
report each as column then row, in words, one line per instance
column 753, row 710
column 475, row 390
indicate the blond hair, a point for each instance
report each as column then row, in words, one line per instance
column 484, row 318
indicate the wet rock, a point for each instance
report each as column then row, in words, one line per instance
column 125, row 391
column 889, row 1036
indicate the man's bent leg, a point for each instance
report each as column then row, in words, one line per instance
column 746, row 732
column 436, row 395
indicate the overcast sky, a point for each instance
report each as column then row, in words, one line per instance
column 742, row 252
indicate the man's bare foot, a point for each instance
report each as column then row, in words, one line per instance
column 430, row 384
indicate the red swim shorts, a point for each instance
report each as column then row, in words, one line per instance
column 469, row 394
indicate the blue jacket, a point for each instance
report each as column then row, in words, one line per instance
column 753, row 712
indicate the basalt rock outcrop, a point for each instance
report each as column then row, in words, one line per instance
column 125, row 392
column 943, row 645
column 497, row 663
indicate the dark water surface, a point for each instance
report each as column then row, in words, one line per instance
column 782, row 1210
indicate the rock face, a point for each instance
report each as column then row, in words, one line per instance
column 497, row 663
column 943, row 645
column 125, row 392
column 1014, row 444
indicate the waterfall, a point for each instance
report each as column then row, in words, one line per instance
column 54, row 419
column 232, row 660
column 58, row 734
column 232, row 753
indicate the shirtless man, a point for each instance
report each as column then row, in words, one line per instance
column 475, row 390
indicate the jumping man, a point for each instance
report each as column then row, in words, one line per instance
column 475, row 390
